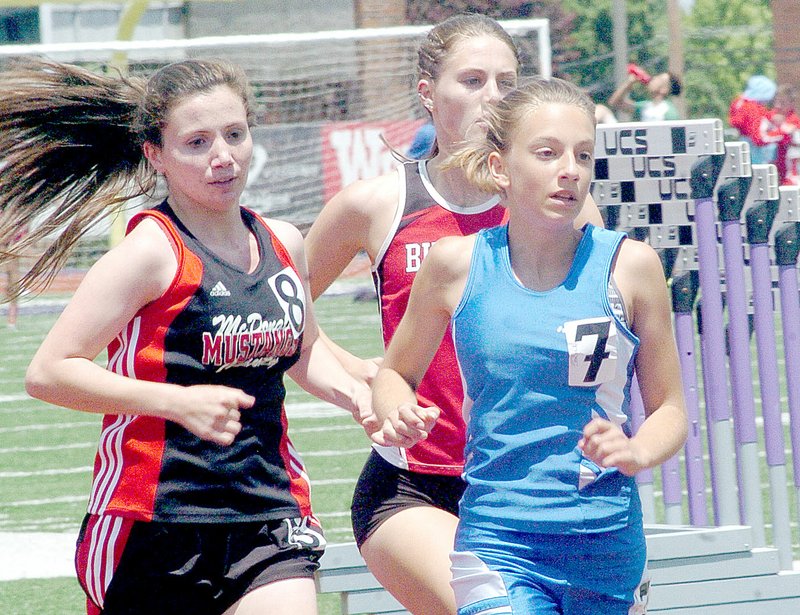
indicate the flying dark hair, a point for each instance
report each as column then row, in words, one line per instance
column 675, row 86
column 71, row 143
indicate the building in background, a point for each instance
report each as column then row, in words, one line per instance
column 786, row 40
column 93, row 20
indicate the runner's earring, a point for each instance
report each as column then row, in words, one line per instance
column 426, row 102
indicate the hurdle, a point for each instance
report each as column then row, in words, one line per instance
column 787, row 246
column 731, row 199
column 700, row 151
column 679, row 187
column 684, row 295
column 759, row 222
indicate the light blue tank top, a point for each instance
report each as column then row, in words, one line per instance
column 538, row 366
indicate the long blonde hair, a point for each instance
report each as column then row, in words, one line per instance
column 71, row 143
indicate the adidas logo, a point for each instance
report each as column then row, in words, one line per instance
column 219, row 290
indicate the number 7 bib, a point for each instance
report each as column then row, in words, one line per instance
column 592, row 348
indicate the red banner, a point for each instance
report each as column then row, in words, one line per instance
column 355, row 150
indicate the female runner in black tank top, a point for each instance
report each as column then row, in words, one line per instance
column 199, row 502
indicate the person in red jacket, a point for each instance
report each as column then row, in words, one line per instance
column 787, row 122
column 749, row 113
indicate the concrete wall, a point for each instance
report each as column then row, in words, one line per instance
column 267, row 16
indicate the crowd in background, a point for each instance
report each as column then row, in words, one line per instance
column 764, row 115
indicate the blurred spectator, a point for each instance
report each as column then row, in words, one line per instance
column 604, row 115
column 423, row 141
column 660, row 88
column 750, row 114
column 787, row 124
column 11, row 271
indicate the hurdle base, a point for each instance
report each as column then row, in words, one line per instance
column 716, row 570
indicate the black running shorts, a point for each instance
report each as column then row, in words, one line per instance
column 383, row 489
column 203, row 568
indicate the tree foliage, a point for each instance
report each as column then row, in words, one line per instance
column 594, row 39
column 725, row 42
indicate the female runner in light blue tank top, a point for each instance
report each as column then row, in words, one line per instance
column 550, row 521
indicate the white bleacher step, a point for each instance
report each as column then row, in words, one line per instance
column 343, row 571
column 686, row 554
column 666, row 542
column 776, row 594
column 759, row 607
column 371, row 602
column 716, row 570
column 758, row 562
column 345, row 580
column 341, row 555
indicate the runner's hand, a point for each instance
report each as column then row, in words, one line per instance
column 607, row 445
column 212, row 412
column 408, row 425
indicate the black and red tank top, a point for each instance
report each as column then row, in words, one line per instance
column 215, row 324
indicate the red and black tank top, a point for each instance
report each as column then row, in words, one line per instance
column 423, row 217
column 215, row 324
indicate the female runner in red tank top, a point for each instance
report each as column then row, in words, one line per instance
column 406, row 501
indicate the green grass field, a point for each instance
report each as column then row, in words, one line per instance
column 46, row 452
